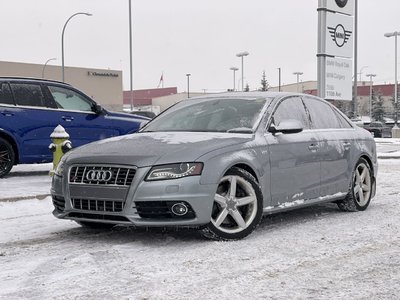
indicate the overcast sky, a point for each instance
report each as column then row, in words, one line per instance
column 200, row 37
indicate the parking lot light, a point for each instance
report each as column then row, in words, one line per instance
column 62, row 39
column 242, row 55
column 388, row 35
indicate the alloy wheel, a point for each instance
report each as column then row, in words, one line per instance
column 235, row 205
column 362, row 184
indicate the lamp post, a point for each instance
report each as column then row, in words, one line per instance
column 279, row 74
column 130, row 56
column 62, row 38
column 188, row 79
column 234, row 69
column 242, row 55
column 370, row 94
column 45, row 64
column 388, row 35
column 361, row 71
column 298, row 75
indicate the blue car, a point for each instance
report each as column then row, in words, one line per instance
column 30, row 109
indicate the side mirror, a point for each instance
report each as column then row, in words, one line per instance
column 98, row 110
column 287, row 127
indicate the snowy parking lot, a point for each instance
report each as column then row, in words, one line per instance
column 317, row 253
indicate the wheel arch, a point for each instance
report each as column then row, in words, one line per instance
column 245, row 167
column 369, row 161
column 11, row 140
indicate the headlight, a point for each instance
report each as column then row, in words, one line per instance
column 174, row 171
column 60, row 167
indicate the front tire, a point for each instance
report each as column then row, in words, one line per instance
column 7, row 157
column 237, row 207
column 361, row 188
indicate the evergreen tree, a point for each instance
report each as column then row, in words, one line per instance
column 378, row 111
column 264, row 83
column 247, row 88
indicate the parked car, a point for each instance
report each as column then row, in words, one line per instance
column 30, row 109
column 219, row 163
column 148, row 114
column 379, row 129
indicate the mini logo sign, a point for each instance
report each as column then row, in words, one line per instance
column 341, row 3
column 99, row 175
column 339, row 35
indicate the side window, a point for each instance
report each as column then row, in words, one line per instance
column 5, row 94
column 291, row 108
column 322, row 115
column 69, row 99
column 28, row 94
column 342, row 120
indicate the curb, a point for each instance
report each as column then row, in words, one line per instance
column 15, row 199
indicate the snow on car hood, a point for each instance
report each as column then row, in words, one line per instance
column 149, row 148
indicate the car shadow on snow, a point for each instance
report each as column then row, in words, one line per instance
column 162, row 236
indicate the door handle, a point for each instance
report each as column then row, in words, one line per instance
column 313, row 147
column 67, row 118
column 346, row 145
column 7, row 113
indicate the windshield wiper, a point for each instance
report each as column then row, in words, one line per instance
column 240, row 130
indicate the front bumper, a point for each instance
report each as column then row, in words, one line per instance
column 143, row 203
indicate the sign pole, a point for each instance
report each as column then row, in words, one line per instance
column 355, row 86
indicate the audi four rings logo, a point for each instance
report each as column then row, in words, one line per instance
column 99, row 175
column 341, row 3
column 339, row 35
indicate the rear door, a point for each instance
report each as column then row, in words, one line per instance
column 32, row 120
column 295, row 167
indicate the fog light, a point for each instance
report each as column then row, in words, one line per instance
column 179, row 209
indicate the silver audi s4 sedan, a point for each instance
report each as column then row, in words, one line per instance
column 219, row 163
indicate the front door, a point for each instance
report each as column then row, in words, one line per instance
column 295, row 165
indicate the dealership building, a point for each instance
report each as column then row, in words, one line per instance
column 102, row 85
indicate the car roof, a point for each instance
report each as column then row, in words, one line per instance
column 250, row 95
column 33, row 79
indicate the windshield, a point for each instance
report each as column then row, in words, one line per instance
column 216, row 115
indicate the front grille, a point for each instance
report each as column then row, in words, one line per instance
column 59, row 203
column 119, row 176
column 97, row 205
column 161, row 210
column 97, row 217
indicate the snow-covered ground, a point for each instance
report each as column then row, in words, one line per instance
column 314, row 253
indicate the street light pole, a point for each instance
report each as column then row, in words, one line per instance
column 361, row 71
column 62, row 39
column 388, row 35
column 370, row 95
column 298, row 75
column 234, row 69
column 45, row 64
column 188, row 76
column 130, row 56
column 279, row 87
column 242, row 55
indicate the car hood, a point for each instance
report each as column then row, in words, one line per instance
column 126, row 116
column 149, row 148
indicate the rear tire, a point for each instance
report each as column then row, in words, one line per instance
column 237, row 207
column 361, row 188
column 7, row 157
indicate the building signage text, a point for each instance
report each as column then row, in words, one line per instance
column 103, row 74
